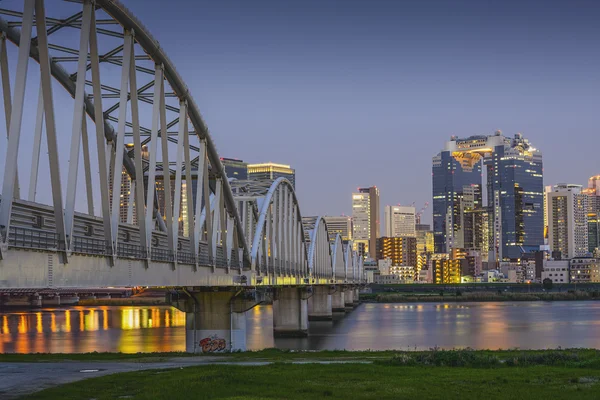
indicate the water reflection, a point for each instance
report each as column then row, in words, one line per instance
column 81, row 329
column 371, row 326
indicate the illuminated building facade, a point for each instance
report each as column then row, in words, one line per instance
column 127, row 209
column 365, row 219
column 424, row 246
column 341, row 225
column 400, row 250
column 450, row 174
column 399, row 221
column 593, row 212
column 445, row 270
column 271, row 171
column 568, row 220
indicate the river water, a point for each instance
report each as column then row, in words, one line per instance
column 525, row 325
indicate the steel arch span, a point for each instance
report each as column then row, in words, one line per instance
column 134, row 193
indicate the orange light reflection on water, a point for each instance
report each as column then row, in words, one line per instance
column 67, row 326
column 39, row 327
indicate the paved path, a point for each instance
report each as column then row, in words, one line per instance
column 22, row 378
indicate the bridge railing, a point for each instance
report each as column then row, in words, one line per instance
column 36, row 239
column 94, row 246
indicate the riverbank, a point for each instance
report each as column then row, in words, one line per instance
column 459, row 296
column 435, row 374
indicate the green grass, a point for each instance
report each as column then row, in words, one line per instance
column 339, row 381
column 585, row 356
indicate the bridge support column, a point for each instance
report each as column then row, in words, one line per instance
column 319, row 304
column 290, row 312
column 349, row 299
column 337, row 300
column 51, row 301
column 35, row 300
column 215, row 321
column 356, row 297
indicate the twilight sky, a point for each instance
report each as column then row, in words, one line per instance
column 358, row 93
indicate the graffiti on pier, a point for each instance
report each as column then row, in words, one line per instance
column 213, row 344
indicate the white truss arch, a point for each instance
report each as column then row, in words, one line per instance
column 186, row 168
column 320, row 260
column 273, row 225
column 339, row 258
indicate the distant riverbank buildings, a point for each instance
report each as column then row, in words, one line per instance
column 488, row 197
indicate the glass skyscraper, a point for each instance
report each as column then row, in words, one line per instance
column 514, row 192
column 449, row 177
column 515, row 176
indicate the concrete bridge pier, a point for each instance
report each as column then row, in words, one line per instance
column 215, row 320
column 349, row 299
column 356, row 297
column 51, row 301
column 338, row 301
column 319, row 304
column 290, row 311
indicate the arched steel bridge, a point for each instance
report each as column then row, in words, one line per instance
column 111, row 177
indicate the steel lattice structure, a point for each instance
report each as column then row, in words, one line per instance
column 172, row 204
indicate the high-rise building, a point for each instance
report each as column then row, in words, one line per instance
column 567, row 221
column 514, row 189
column 593, row 220
column 271, row 171
column 593, row 212
column 515, row 176
column 547, row 189
column 399, row 221
column 127, row 208
column 401, row 250
column 341, row 225
column 365, row 219
column 452, row 170
column 235, row 168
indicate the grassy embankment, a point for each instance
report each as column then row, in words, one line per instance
column 462, row 374
column 478, row 296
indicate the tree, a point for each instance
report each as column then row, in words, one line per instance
column 547, row 283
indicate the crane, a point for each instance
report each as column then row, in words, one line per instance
column 421, row 211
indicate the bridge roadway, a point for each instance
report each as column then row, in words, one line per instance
column 152, row 205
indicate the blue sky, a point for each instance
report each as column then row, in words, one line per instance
column 358, row 93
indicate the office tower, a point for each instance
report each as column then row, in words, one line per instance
column 514, row 189
column 453, row 168
column 547, row 189
column 365, row 219
column 593, row 212
column 235, row 168
column 401, row 250
column 593, row 221
column 567, row 221
column 271, row 171
column 515, row 181
column 399, row 221
column 341, row 225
